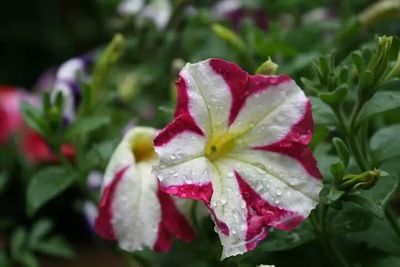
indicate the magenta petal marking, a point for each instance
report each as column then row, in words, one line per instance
column 172, row 225
column 201, row 192
column 103, row 225
column 261, row 215
column 294, row 144
column 181, row 124
column 220, row 224
column 236, row 79
column 241, row 84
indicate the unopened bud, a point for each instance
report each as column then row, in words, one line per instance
column 379, row 60
column 129, row 87
column 267, row 68
column 363, row 181
column 395, row 71
column 229, row 37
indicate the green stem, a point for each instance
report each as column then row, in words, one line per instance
column 351, row 136
column 334, row 252
column 176, row 13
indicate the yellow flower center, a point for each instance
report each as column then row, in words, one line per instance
column 142, row 147
column 219, row 146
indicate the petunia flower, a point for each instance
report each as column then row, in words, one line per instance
column 36, row 149
column 67, row 81
column 236, row 12
column 239, row 143
column 33, row 146
column 10, row 115
column 133, row 210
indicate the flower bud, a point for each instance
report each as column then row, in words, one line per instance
column 363, row 181
column 229, row 37
column 379, row 60
column 395, row 71
column 267, row 68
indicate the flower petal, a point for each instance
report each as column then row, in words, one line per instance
column 210, row 85
column 189, row 179
column 133, row 210
column 173, row 224
column 247, row 201
column 130, row 210
column 182, row 169
column 268, row 114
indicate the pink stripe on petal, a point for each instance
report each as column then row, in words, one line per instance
column 172, row 225
column 241, row 84
column 182, row 123
column 220, row 224
column 103, row 224
column 294, row 144
column 261, row 215
column 236, row 80
column 201, row 192
column 182, row 106
column 302, row 131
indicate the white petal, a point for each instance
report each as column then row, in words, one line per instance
column 183, row 147
column 230, row 209
column 123, row 155
column 278, row 172
column 269, row 115
column 136, row 209
column 210, row 97
column 192, row 172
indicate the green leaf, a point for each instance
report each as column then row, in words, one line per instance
column 3, row 181
column 18, row 239
column 358, row 61
column 385, row 142
column 55, row 246
column 337, row 170
column 336, row 97
column 86, row 125
column 33, row 117
column 281, row 240
column 383, row 261
column 4, row 261
column 365, row 87
column 330, row 195
column 322, row 113
column 28, row 260
column 381, row 193
column 368, row 204
column 350, row 219
column 39, row 231
column 45, row 185
column 382, row 101
column 379, row 235
column 342, row 150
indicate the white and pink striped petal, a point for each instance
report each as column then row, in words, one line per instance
column 133, row 210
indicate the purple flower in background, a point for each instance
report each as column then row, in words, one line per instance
column 67, row 81
column 90, row 212
column 236, row 12
column 94, row 180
